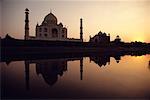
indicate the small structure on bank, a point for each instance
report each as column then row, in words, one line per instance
column 118, row 39
column 50, row 29
column 100, row 38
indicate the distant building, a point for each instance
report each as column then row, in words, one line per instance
column 49, row 29
column 100, row 38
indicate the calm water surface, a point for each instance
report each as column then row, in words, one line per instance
column 88, row 77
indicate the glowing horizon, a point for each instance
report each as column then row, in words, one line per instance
column 128, row 19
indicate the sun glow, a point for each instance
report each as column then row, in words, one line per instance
column 139, row 39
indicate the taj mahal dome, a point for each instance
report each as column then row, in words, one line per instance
column 50, row 29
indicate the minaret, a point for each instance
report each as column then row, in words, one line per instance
column 26, row 24
column 37, row 25
column 81, row 30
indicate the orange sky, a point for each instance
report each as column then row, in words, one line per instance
column 128, row 18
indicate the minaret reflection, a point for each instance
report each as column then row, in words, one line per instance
column 50, row 69
column 27, row 75
column 149, row 64
column 81, row 68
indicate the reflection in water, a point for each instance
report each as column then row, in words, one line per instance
column 27, row 75
column 104, row 59
column 50, row 69
column 117, row 58
column 149, row 64
column 81, row 80
column 81, row 68
column 100, row 60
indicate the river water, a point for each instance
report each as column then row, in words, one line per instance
column 82, row 77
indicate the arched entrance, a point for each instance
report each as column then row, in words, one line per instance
column 54, row 33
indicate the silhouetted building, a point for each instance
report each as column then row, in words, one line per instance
column 118, row 39
column 50, row 30
column 100, row 38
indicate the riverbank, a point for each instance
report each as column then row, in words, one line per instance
column 15, row 48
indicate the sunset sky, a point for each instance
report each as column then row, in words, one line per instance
column 130, row 19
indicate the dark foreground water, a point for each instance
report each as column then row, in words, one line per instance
column 88, row 77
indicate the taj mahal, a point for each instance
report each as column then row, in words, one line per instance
column 50, row 29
